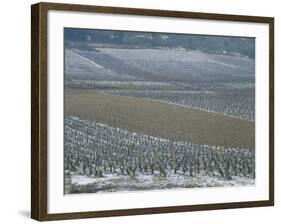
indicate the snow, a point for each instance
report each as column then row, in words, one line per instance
column 88, row 60
column 115, row 182
column 103, row 136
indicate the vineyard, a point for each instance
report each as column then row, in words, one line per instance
column 150, row 111
column 97, row 151
column 214, row 83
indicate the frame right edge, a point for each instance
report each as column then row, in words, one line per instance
column 271, row 111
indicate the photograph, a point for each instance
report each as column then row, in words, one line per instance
column 150, row 111
column 140, row 111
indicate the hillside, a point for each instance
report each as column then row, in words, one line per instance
column 160, row 119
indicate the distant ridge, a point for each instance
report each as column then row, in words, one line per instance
column 242, row 46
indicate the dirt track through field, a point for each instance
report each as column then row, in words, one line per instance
column 160, row 119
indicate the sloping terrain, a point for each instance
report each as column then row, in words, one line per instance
column 160, row 119
column 157, row 65
column 102, row 158
column 216, row 83
column 181, row 65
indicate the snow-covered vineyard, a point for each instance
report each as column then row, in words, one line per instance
column 101, row 158
column 216, row 83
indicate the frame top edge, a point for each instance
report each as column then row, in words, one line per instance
column 153, row 12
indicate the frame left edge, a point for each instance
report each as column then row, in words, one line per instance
column 38, row 112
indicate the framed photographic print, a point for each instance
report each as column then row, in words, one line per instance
column 139, row 111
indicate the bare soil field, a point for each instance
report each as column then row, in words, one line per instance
column 160, row 119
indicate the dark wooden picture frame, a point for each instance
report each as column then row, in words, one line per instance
column 39, row 150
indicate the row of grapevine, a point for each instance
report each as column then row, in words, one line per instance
column 96, row 149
